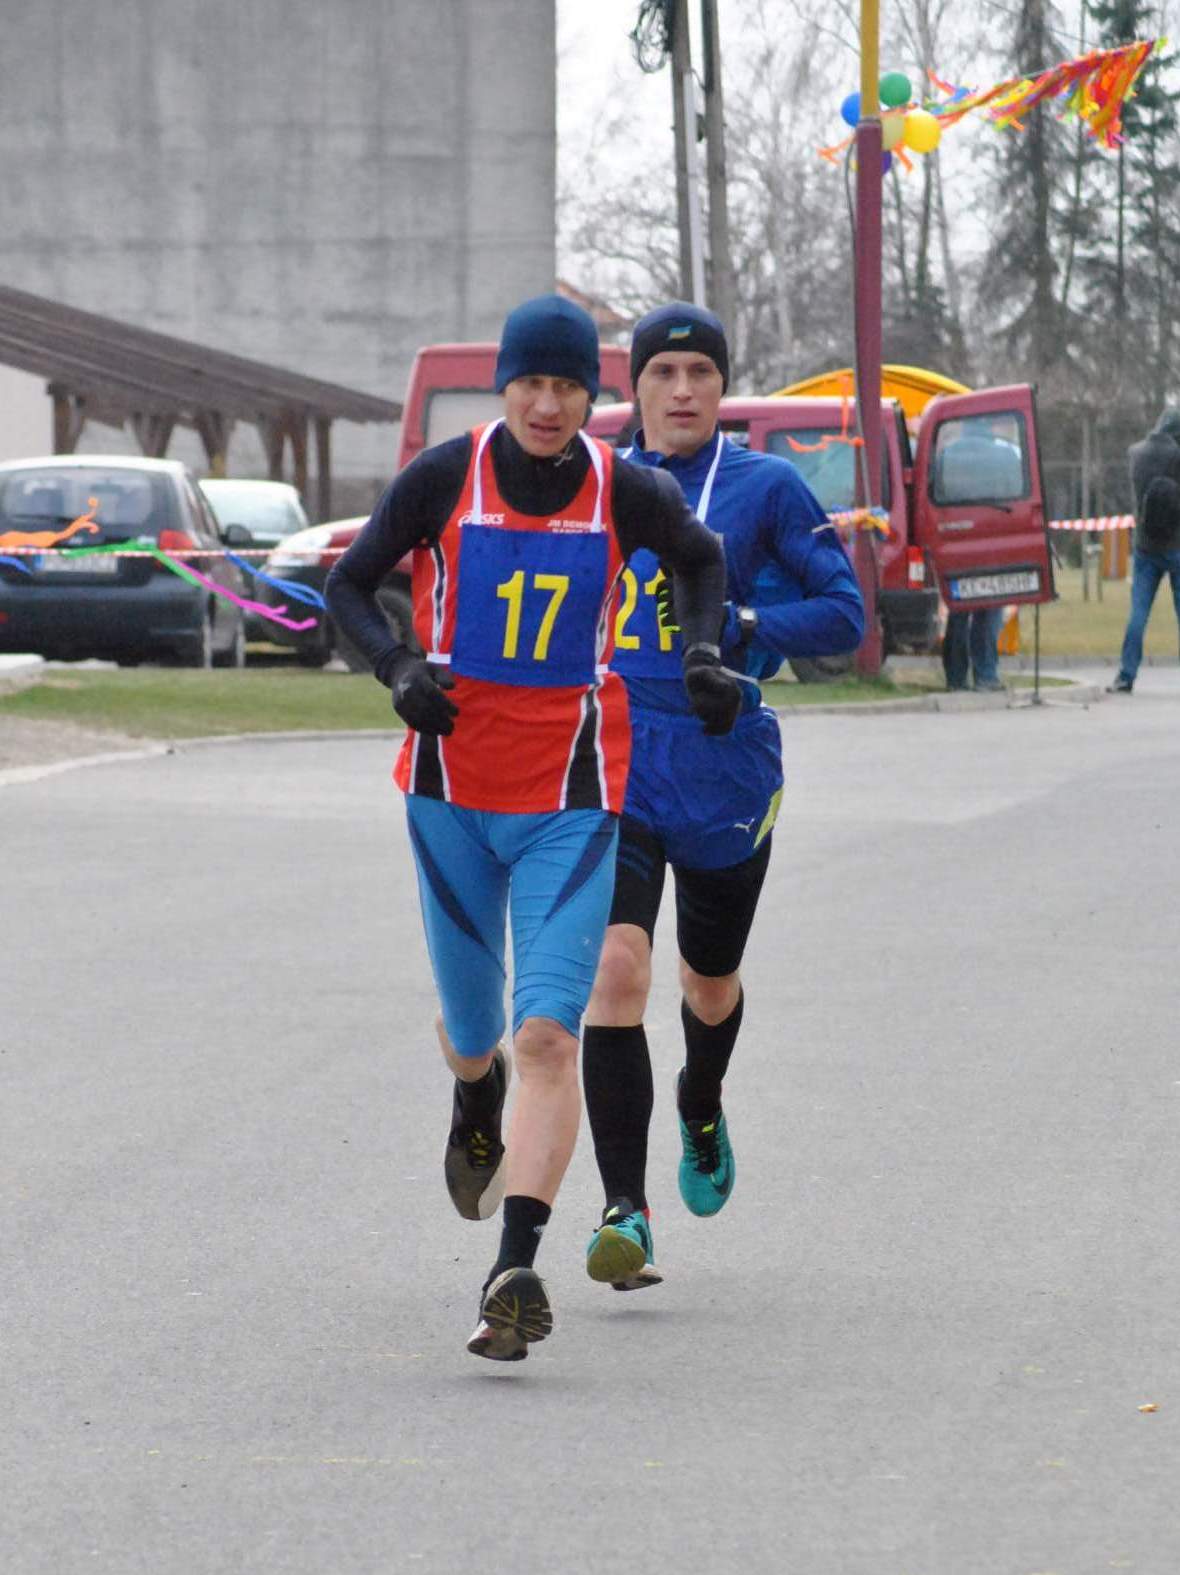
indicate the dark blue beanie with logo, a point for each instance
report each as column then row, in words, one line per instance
column 680, row 326
column 549, row 337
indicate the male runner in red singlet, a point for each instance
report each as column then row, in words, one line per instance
column 515, row 762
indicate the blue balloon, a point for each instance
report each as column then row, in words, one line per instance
column 850, row 110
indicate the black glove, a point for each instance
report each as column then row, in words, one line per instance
column 714, row 694
column 419, row 698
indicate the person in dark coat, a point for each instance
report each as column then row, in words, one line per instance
column 1155, row 481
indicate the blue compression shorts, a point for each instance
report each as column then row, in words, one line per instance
column 554, row 873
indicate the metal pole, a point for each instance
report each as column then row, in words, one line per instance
column 868, row 322
column 684, row 125
column 720, row 257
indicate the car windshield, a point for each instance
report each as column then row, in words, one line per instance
column 121, row 503
column 261, row 511
column 827, row 463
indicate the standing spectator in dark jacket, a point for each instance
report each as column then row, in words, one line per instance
column 1155, row 480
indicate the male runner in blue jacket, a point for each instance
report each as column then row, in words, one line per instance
column 705, row 806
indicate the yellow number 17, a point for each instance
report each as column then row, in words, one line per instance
column 513, row 593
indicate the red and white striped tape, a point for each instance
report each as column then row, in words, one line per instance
column 1103, row 522
column 183, row 553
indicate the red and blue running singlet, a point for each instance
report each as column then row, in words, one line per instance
column 521, row 608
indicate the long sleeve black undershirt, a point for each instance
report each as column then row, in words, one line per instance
column 647, row 506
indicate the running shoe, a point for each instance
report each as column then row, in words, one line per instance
column 707, row 1167
column 474, row 1164
column 620, row 1251
column 514, row 1312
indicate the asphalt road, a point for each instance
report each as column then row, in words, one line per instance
column 919, row 1341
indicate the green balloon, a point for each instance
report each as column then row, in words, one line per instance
column 895, row 89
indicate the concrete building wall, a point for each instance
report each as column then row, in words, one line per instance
column 325, row 184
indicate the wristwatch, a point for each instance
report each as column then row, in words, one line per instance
column 747, row 620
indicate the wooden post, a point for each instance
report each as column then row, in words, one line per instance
column 215, row 428
column 274, row 440
column 323, row 468
column 153, row 430
column 69, row 417
column 298, row 433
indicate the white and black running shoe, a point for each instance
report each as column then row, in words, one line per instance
column 474, row 1163
column 513, row 1314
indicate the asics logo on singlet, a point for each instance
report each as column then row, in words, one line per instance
column 471, row 518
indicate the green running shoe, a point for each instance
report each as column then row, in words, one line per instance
column 620, row 1251
column 707, row 1167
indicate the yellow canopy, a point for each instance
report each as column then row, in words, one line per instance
column 912, row 386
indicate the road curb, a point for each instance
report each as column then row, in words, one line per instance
column 18, row 672
column 940, row 701
column 16, row 776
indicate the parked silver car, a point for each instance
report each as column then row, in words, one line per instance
column 269, row 510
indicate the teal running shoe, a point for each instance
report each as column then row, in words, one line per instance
column 620, row 1251
column 707, row 1167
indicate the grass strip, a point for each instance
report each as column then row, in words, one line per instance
column 153, row 702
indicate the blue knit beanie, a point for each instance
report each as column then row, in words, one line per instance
column 679, row 326
column 549, row 337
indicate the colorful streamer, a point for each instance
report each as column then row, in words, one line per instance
column 50, row 538
column 302, row 593
column 144, row 547
column 195, row 577
column 15, row 563
column 1095, row 86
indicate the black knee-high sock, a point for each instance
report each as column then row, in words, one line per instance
column 708, row 1048
column 616, row 1074
column 524, row 1220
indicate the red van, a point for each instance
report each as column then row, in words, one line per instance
column 966, row 510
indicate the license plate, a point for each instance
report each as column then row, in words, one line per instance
column 977, row 587
column 102, row 563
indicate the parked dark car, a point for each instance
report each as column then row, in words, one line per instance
column 123, row 609
column 306, row 560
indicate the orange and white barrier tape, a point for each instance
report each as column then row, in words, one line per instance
column 1103, row 522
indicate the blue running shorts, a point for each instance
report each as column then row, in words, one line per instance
column 552, row 874
column 710, row 802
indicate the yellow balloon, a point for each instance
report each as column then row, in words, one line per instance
column 892, row 130
column 922, row 132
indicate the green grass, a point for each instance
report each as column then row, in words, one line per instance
column 1077, row 628
column 169, row 703
column 166, row 703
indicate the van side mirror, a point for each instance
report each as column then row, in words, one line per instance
column 237, row 536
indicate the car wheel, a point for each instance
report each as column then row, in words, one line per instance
column 820, row 669
column 200, row 652
column 398, row 611
column 236, row 655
